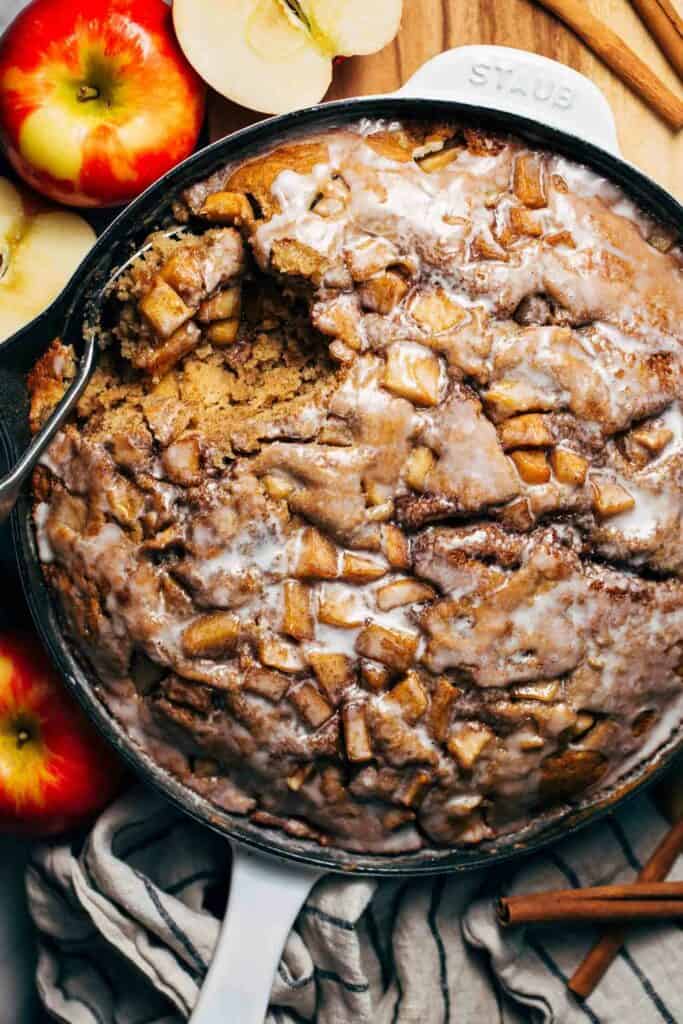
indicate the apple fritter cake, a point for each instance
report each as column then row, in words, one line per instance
column 370, row 520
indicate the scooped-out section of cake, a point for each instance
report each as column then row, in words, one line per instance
column 369, row 522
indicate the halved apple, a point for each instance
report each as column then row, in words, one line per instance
column 40, row 248
column 276, row 55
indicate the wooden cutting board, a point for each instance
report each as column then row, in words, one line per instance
column 430, row 26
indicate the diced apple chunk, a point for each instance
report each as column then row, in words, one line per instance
column 211, row 636
column 568, row 467
column 527, row 182
column 532, row 466
column 266, row 683
column 370, row 257
column 181, row 461
column 341, row 609
column 317, row 557
column 418, row 466
column 296, row 780
column 443, row 698
column 436, row 311
column 414, row 790
column 298, row 619
column 410, row 696
column 401, row 592
column 180, row 344
column 381, row 293
column 523, row 222
column 482, row 247
column 654, row 439
column 224, row 305
column 223, row 332
column 390, row 646
column 413, row 372
column 277, row 486
column 377, row 677
column 274, row 652
column 546, row 690
column 433, row 162
column 333, row 671
column 466, row 743
column 360, row 569
column 531, row 430
column 164, row 310
column 356, row 735
column 396, row 547
column 228, row 208
column 610, row 499
column 506, row 398
column 311, row 704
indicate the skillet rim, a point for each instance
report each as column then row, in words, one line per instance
column 80, row 298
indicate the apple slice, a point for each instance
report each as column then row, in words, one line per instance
column 39, row 251
column 276, row 55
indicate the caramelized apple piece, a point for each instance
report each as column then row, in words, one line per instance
column 414, row 790
column 311, row 704
column 211, row 636
column 266, row 683
column 546, row 690
column 654, row 439
column 610, row 499
column 523, row 222
column 298, row 619
column 467, row 741
column 413, row 372
column 437, row 161
column 296, row 780
column 223, row 332
column 558, row 238
column 583, row 723
column 317, row 557
column 396, row 817
column 277, row 486
column 164, row 310
column 567, row 774
column 402, row 592
column 482, row 247
column 531, row 430
column 532, row 466
column 228, row 208
column 359, row 569
column 377, row 677
column 356, row 736
column 527, row 183
column 277, row 653
column 180, row 344
column 340, row 609
column 505, row 398
column 370, row 257
column 333, row 671
column 390, row 646
column 181, row 461
column 419, row 465
column 436, row 311
column 396, row 547
column 224, row 305
column 568, row 467
column 381, row 293
column 443, row 698
column 410, row 696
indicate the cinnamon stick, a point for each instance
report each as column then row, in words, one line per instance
column 618, row 56
column 666, row 25
column 591, row 970
column 599, row 903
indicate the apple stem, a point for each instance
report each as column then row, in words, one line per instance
column 87, row 92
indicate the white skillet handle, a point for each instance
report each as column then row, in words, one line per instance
column 519, row 83
column 265, row 898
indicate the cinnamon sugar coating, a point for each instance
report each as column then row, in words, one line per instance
column 370, row 519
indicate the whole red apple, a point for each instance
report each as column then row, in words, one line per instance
column 96, row 99
column 55, row 770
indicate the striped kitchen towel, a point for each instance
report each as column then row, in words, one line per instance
column 128, row 918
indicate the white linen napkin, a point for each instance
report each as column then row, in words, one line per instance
column 126, row 933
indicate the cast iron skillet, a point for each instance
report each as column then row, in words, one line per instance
column 486, row 77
